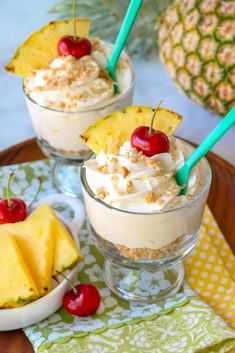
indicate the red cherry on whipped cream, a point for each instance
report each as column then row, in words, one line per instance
column 150, row 144
column 78, row 47
column 149, row 140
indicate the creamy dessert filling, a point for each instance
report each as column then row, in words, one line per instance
column 133, row 182
column 132, row 199
column 71, row 84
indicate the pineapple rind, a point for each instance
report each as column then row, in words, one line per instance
column 67, row 266
column 19, row 301
column 109, row 133
column 40, row 48
column 207, row 39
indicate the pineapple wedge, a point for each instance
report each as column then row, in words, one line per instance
column 111, row 132
column 67, row 254
column 17, row 286
column 41, row 47
column 35, row 240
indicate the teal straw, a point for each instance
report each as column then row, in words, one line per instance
column 120, row 41
column 182, row 174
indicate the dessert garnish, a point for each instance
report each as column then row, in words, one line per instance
column 14, row 210
column 111, row 132
column 139, row 176
column 82, row 300
column 40, row 49
column 149, row 140
column 74, row 45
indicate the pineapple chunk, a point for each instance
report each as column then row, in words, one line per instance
column 67, row 255
column 35, row 240
column 41, row 47
column 111, row 132
column 17, row 286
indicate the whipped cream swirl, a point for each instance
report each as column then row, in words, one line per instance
column 72, row 84
column 133, row 182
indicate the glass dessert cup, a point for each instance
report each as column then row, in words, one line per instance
column 132, row 269
column 57, row 134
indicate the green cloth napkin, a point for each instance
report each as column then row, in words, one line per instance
column 191, row 328
column 182, row 321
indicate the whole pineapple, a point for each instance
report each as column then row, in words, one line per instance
column 197, row 46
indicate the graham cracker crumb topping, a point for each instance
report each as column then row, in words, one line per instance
column 130, row 187
column 101, row 192
column 124, row 172
column 114, row 160
column 151, row 163
column 150, row 198
column 104, row 169
column 134, row 160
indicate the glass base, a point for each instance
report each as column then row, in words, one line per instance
column 66, row 177
column 146, row 285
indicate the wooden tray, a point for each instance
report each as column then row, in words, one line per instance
column 221, row 201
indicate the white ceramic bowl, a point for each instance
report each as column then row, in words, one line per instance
column 11, row 319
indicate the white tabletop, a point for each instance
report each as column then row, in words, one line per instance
column 20, row 18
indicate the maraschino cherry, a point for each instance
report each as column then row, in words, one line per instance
column 14, row 210
column 78, row 47
column 82, row 299
column 150, row 141
column 74, row 45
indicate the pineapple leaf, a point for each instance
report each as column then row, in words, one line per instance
column 106, row 19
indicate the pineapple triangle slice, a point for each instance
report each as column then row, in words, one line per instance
column 41, row 47
column 17, row 286
column 35, row 240
column 67, row 254
column 109, row 133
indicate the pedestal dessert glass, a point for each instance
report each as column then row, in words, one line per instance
column 137, row 272
column 57, row 133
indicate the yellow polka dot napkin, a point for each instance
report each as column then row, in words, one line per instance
column 210, row 269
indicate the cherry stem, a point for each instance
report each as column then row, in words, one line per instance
column 70, row 282
column 38, row 191
column 9, row 204
column 56, row 279
column 74, row 19
column 153, row 118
